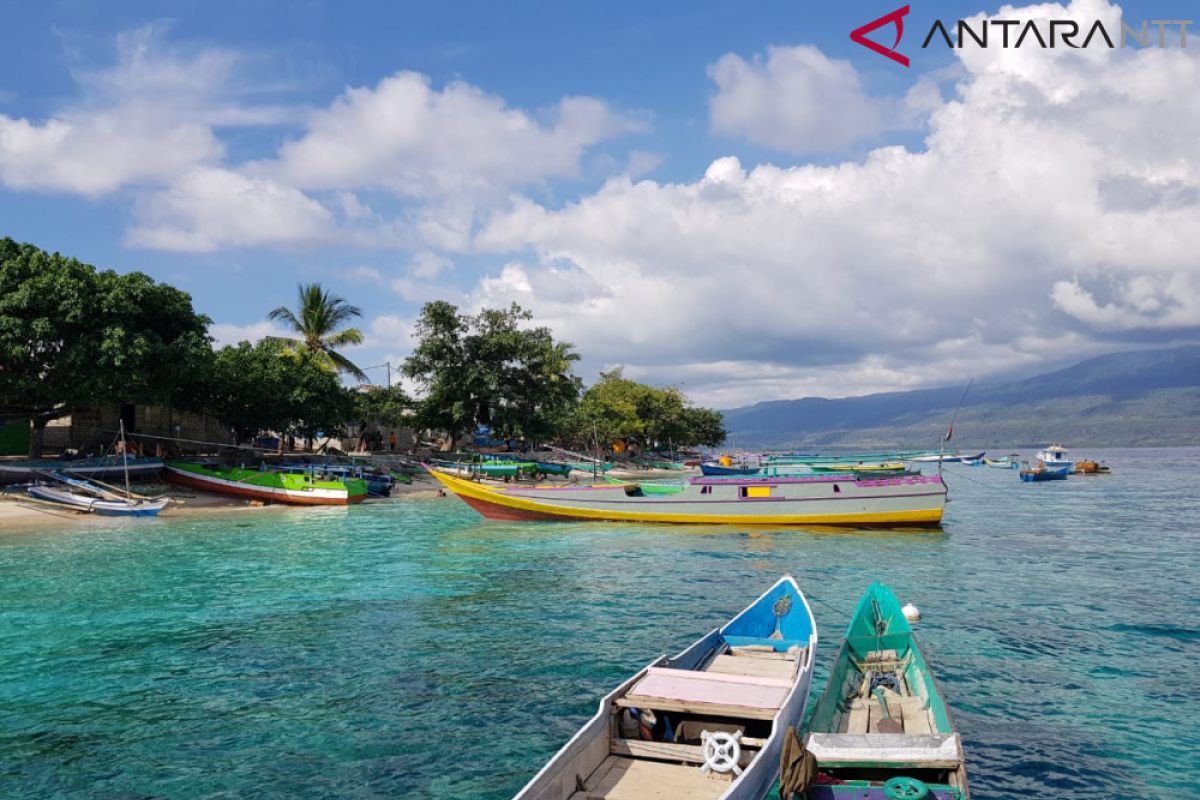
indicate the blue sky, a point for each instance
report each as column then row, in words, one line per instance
column 579, row 159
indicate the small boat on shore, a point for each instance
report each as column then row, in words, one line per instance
column 86, row 496
column 1044, row 472
column 709, row 723
column 267, row 485
column 104, row 467
column 913, row 500
column 882, row 728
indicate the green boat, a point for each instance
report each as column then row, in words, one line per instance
column 309, row 488
column 882, row 728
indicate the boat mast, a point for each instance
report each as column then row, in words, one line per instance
column 125, row 459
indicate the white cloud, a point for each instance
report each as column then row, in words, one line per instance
column 797, row 100
column 228, row 333
column 144, row 121
column 415, row 140
column 209, row 209
column 1055, row 203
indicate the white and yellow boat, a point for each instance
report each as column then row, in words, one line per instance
column 909, row 500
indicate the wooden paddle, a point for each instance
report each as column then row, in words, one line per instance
column 887, row 724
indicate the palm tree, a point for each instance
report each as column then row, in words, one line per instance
column 320, row 315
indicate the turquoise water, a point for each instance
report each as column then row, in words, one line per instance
column 412, row 650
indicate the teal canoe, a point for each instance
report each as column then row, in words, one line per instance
column 882, row 727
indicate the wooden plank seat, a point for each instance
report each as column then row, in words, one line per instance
column 717, row 694
column 780, row 668
column 939, row 751
column 668, row 751
column 620, row 778
column 865, row 714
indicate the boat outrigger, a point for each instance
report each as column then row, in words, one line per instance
column 882, row 728
column 709, row 723
column 912, row 500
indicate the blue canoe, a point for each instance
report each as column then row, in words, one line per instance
column 665, row 730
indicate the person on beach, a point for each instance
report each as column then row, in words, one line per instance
column 392, row 441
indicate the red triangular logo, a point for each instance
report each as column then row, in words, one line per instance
column 897, row 18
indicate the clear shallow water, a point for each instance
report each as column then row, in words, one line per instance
column 412, row 650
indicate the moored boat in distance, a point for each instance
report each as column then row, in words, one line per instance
column 1010, row 461
column 1044, row 472
column 882, row 728
column 912, row 500
column 1055, row 456
column 1090, row 467
column 709, row 723
column 271, row 486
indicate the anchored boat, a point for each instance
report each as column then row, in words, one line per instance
column 882, row 728
column 709, row 723
column 815, row 500
column 271, row 486
column 1044, row 472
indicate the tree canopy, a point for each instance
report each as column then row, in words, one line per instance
column 491, row 369
column 265, row 387
column 70, row 334
column 618, row 408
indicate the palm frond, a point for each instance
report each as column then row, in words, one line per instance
column 344, row 364
column 349, row 336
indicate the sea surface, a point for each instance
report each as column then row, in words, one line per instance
column 411, row 649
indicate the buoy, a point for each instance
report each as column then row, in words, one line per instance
column 911, row 612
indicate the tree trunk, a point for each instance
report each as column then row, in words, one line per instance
column 37, row 441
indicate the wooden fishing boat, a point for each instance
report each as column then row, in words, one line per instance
column 708, row 723
column 271, row 486
column 107, row 504
column 817, row 500
column 711, row 469
column 103, row 467
column 1045, row 472
column 1004, row 462
column 945, row 458
column 553, row 468
column 1089, row 467
column 882, row 728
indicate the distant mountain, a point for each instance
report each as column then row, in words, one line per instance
column 1146, row 397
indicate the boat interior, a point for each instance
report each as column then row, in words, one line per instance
column 654, row 742
column 882, row 718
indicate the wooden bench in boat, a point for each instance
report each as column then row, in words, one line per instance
column 712, row 693
column 619, row 778
column 940, row 751
column 668, row 751
column 782, row 669
column 912, row 712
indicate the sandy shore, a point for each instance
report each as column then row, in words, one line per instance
column 19, row 513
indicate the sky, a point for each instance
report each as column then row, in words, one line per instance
column 732, row 198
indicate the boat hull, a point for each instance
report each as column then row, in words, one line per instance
column 267, row 494
column 825, row 500
column 574, row 770
column 105, row 508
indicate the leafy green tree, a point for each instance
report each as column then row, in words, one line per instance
column 265, row 387
column 388, row 406
column 320, row 315
column 491, row 369
column 616, row 407
column 70, row 335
